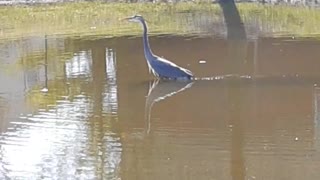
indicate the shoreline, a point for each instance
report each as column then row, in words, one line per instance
column 102, row 19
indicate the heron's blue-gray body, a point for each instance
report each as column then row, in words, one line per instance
column 160, row 67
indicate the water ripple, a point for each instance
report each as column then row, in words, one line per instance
column 58, row 143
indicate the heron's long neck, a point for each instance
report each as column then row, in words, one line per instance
column 146, row 45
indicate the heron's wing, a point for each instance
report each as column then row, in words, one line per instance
column 170, row 69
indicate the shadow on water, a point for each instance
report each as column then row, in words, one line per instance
column 237, row 48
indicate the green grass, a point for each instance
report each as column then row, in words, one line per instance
column 300, row 21
column 102, row 19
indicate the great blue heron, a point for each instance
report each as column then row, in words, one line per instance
column 160, row 67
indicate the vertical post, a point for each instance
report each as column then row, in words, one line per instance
column 46, row 62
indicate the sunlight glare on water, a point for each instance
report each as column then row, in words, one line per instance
column 57, row 139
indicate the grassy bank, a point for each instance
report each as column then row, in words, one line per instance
column 102, row 19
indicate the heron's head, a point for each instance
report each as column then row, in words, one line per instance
column 135, row 18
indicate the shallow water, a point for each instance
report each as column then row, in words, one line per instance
column 87, row 108
column 253, row 115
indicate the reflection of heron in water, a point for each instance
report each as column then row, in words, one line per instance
column 159, row 90
column 160, row 67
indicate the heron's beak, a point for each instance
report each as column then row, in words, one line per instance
column 125, row 19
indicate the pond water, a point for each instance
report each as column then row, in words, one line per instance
column 89, row 109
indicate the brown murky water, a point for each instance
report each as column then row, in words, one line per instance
column 103, row 116
column 88, row 109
